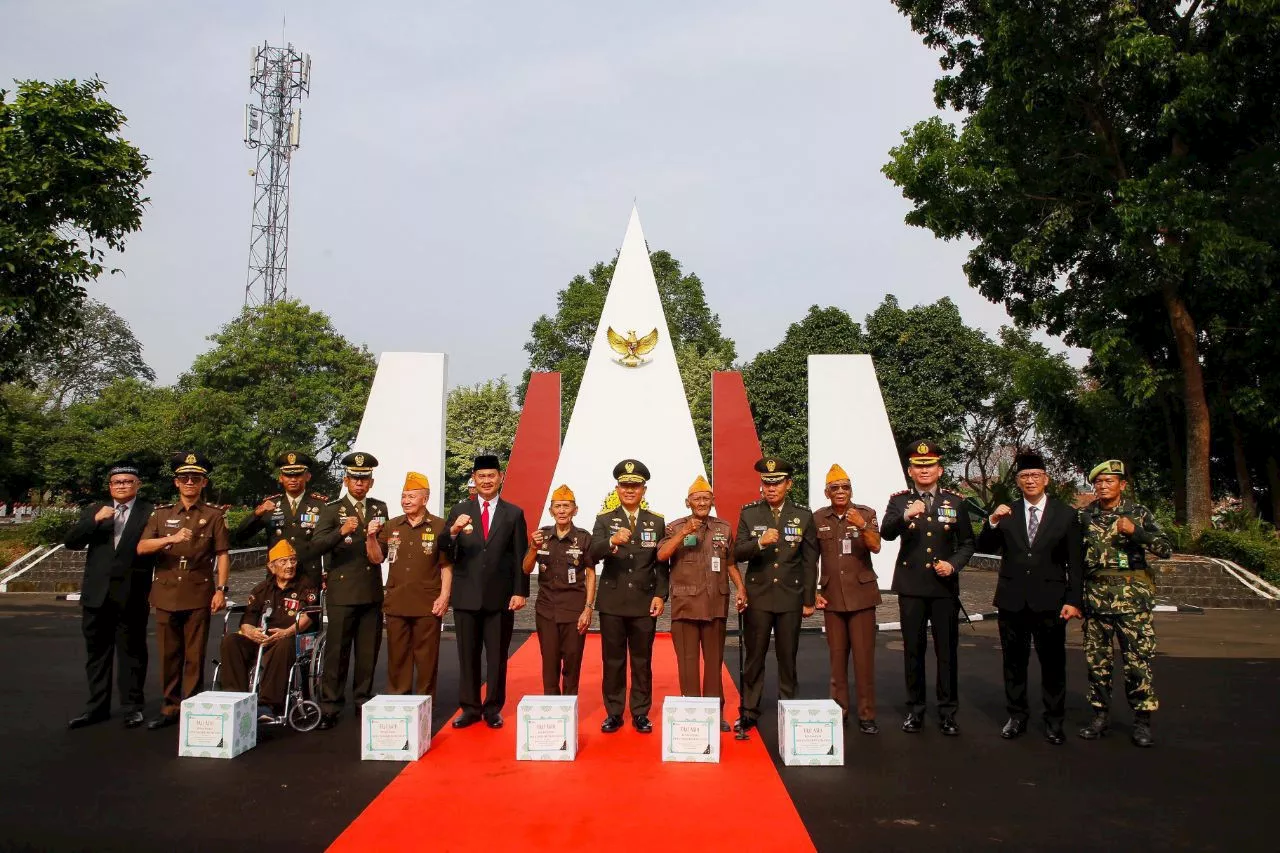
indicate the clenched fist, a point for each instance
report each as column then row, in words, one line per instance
column 538, row 538
column 459, row 523
column 1124, row 526
column 349, row 526
column 103, row 514
column 183, row 535
column 622, row 537
column 915, row 509
column 1002, row 512
column 265, row 507
column 769, row 537
column 855, row 518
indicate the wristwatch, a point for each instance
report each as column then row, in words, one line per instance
column 223, row 588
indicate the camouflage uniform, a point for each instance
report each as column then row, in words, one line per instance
column 1119, row 595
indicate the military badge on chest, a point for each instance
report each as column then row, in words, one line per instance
column 648, row 535
column 947, row 514
column 791, row 531
column 342, row 519
column 428, row 542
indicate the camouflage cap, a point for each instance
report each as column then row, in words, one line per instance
column 1111, row 466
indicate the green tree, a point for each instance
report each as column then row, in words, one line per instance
column 129, row 419
column 932, row 368
column 1113, row 158
column 78, row 363
column 777, row 383
column 481, row 418
column 563, row 342
column 279, row 377
column 24, row 426
column 72, row 189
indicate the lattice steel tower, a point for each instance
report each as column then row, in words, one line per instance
column 282, row 78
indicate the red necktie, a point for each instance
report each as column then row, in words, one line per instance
column 484, row 519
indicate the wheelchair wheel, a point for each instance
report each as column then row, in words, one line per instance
column 316, row 670
column 304, row 716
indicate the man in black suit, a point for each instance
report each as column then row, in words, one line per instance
column 937, row 542
column 113, row 597
column 487, row 539
column 1037, row 594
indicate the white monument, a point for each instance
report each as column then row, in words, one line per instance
column 848, row 424
column 403, row 425
column 631, row 403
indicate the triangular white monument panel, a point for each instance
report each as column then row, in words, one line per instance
column 631, row 403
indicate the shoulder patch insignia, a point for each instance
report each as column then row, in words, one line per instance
column 319, row 497
column 903, row 492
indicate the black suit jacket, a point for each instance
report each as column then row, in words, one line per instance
column 943, row 534
column 1042, row 575
column 487, row 572
column 105, row 560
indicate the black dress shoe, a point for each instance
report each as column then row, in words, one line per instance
column 611, row 724
column 913, row 723
column 466, row 718
column 133, row 719
column 493, row 721
column 1013, row 728
column 725, row 727
column 948, row 725
column 868, row 727
column 163, row 722
column 642, row 724
column 327, row 721
column 1053, row 733
column 88, row 720
column 744, row 724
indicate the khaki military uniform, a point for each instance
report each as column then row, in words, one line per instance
column 563, row 563
column 414, row 583
column 848, row 583
column 182, row 591
column 700, row 604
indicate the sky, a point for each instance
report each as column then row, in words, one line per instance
column 461, row 162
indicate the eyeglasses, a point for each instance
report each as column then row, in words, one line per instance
column 114, row 483
column 840, row 488
column 189, row 478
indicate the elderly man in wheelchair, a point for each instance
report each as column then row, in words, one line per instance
column 269, row 646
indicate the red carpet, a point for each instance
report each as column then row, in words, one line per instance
column 469, row 791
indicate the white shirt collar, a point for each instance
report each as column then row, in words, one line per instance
column 1044, row 500
column 128, row 505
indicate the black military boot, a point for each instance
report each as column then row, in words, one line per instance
column 1142, row 730
column 1097, row 726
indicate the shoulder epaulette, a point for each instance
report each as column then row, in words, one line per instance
column 334, row 502
column 319, row 497
column 222, row 508
column 753, row 503
column 162, row 506
column 903, row 492
column 655, row 512
column 273, row 497
column 606, row 512
column 803, row 507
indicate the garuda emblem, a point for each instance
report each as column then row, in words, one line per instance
column 631, row 349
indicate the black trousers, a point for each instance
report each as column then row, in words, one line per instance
column 1018, row 629
column 240, row 656
column 357, row 626
column 786, row 629
column 620, row 637
column 941, row 617
column 483, row 634
column 115, row 631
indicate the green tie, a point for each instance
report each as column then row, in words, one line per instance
column 360, row 510
column 632, row 518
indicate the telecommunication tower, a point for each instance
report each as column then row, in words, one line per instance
column 282, row 78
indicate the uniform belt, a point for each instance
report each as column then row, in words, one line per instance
column 1120, row 574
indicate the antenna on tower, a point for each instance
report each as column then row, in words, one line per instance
column 282, row 78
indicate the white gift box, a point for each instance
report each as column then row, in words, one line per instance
column 810, row 732
column 395, row 728
column 547, row 728
column 691, row 729
column 217, row 724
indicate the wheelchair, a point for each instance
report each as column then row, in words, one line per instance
column 302, row 695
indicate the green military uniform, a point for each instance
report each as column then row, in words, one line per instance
column 353, row 592
column 1119, row 595
column 781, row 580
column 294, row 520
